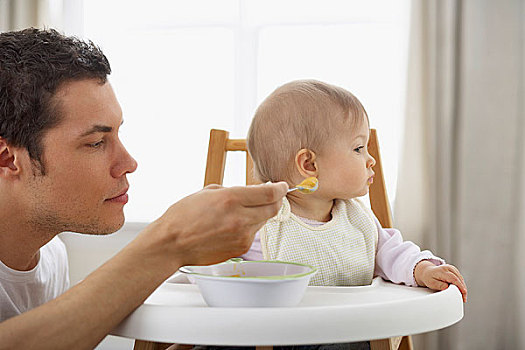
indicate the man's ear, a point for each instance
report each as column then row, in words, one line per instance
column 305, row 162
column 8, row 159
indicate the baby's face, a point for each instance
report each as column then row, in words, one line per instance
column 345, row 167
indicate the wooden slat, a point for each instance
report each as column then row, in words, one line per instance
column 216, row 157
column 380, row 344
column 406, row 343
column 385, row 344
column 236, row 145
column 378, row 195
column 395, row 341
column 149, row 345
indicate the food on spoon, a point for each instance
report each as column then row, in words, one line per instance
column 308, row 185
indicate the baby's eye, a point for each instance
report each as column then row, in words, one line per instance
column 359, row 149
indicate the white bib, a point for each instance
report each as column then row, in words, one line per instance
column 343, row 249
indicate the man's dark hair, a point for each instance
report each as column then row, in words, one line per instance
column 33, row 65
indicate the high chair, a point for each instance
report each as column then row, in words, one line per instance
column 220, row 144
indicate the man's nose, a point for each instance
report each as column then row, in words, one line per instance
column 125, row 163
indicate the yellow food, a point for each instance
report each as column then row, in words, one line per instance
column 308, row 185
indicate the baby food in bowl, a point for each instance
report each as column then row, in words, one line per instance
column 251, row 283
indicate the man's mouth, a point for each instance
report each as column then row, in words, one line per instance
column 122, row 197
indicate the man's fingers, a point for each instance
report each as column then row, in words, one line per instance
column 261, row 213
column 257, row 195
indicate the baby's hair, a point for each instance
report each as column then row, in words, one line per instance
column 299, row 114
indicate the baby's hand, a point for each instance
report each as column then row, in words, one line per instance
column 438, row 277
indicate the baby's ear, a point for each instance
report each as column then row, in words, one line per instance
column 305, row 162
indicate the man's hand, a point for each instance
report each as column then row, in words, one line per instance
column 215, row 223
column 439, row 277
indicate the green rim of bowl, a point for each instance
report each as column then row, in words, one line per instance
column 298, row 275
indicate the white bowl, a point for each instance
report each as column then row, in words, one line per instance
column 251, row 283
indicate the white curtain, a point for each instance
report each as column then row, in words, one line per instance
column 461, row 191
column 19, row 14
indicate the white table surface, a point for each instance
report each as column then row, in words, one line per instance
column 176, row 313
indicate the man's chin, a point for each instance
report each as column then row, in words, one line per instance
column 111, row 229
column 98, row 228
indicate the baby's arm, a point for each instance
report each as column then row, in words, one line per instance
column 403, row 262
column 255, row 252
column 396, row 259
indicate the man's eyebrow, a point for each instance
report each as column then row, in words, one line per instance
column 98, row 128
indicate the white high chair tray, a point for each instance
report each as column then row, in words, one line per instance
column 176, row 313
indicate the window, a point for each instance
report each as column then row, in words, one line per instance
column 181, row 68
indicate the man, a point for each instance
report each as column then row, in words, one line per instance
column 63, row 168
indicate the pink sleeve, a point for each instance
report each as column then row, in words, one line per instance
column 255, row 252
column 396, row 259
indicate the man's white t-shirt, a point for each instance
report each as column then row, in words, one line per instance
column 21, row 291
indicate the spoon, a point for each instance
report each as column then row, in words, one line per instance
column 309, row 185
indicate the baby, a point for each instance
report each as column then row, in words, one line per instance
column 309, row 128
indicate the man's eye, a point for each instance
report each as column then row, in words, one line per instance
column 97, row 144
column 359, row 149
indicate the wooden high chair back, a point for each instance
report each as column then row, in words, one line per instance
column 220, row 144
